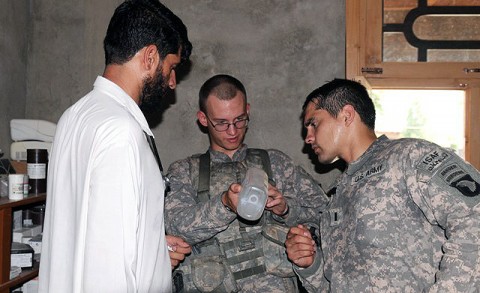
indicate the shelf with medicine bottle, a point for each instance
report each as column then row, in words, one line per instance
column 7, row 209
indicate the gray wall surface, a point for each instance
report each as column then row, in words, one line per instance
column 281, row 50
column 14, row 26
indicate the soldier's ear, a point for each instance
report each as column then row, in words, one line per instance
column 202, row 118
column 348, row 112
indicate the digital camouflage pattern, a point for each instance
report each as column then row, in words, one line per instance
column 405, row 218
column 197, row 222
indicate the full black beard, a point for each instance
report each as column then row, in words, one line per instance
column 154, row 89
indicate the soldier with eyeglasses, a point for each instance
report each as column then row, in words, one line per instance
column 230, row 254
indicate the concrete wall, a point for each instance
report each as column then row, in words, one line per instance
column 14, row 27
column 281, row 50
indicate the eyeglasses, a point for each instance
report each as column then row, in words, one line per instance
column 223, row 126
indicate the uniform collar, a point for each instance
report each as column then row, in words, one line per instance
column 357, row 164
column 120, row 96
column 239, row 155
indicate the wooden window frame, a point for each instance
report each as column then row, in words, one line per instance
column 364, row 57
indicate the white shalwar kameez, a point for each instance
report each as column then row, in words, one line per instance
column 104, row 227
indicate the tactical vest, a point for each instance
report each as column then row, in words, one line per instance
column 245, row 248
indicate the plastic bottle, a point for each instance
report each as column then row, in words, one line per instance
column 253, row 196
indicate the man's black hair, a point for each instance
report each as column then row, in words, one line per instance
column 136, row 24
column 334, row 95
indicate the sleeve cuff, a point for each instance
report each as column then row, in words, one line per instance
column 224, row 212
column 311, row 270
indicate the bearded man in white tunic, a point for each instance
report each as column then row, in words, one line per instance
column 104, row 225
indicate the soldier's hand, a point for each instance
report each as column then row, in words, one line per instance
column 300, row 246
column 177, row 249
column 230, row 197
column 276, row 202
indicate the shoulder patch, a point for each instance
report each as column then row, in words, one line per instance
column 458, row 178
column 433, row 160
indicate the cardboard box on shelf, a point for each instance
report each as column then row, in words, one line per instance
column 21, row 255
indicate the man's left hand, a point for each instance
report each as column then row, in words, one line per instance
column 276, row 203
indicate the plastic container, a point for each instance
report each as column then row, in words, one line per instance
column 33, row 216
column 253, row 197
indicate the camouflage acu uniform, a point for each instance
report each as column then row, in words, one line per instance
column 200, row 222
column 405, row 218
